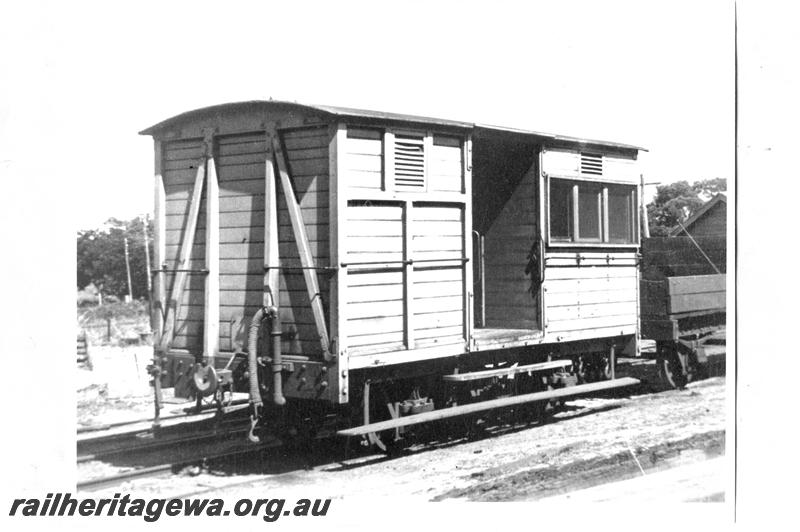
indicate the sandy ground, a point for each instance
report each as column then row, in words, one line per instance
column 115, row 386
column 117, row 389
column 702, row 481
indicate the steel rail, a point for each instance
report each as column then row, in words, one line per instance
column 191, row 412
column 165, row 443
column 163, row 469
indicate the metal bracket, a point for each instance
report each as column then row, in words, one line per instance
column 201, row 271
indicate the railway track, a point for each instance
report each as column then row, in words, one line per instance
column 234, row 453
column 240, row 449
column 147, row 441
column 139, row 454
column 132, row 459
column 152, row 439
column 166, row 420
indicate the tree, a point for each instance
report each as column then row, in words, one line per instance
column 676, row 202
column 101, row 257
column 708, row 188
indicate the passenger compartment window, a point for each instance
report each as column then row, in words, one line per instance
column 621, row 209
column 560, row 210
column 589, row 212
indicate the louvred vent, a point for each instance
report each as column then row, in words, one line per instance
column 591, row 164
column 409, row 161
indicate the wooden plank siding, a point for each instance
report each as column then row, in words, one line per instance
column 614, row 168
column 437, row 233
column 376, row 306
column 367, row 161
column 590, row 291
column 241, row 160
column 509, row 300
column 180, row 161
column 240, row 163
column 306, row 152
column 361, row 163
column 677, row 295
column 446, row 164
column 374, row 309
column 394, row 305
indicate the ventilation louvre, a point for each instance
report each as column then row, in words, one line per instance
column 591, row 164
column 409, row 161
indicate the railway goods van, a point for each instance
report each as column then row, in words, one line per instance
column 683, row 302
column 383, row 270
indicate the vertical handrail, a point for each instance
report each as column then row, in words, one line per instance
column 481, row 279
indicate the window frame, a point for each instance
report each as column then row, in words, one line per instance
column 633, row 218
column 573, row 220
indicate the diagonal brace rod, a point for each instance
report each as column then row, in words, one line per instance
column 186, row 254
column 304, row 249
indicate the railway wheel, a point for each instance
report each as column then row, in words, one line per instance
column 579, row 369
column 672, row 371
column 606, row 363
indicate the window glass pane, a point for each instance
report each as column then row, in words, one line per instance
column 589, row 199
column 560, row 210
column 619, row 214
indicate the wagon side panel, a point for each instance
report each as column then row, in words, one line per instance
column 307, row 159
column 181, row 159
column 590, row 295
column 404, row 243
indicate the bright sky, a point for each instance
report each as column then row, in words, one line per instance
column 654, row 74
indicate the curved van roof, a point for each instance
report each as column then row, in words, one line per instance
column 377, row 116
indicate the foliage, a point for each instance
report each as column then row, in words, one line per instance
column 676, row 202
column 101, row 257
column 708, row 188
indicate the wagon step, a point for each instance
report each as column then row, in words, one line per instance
column 444, row 413
column 503, row 372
